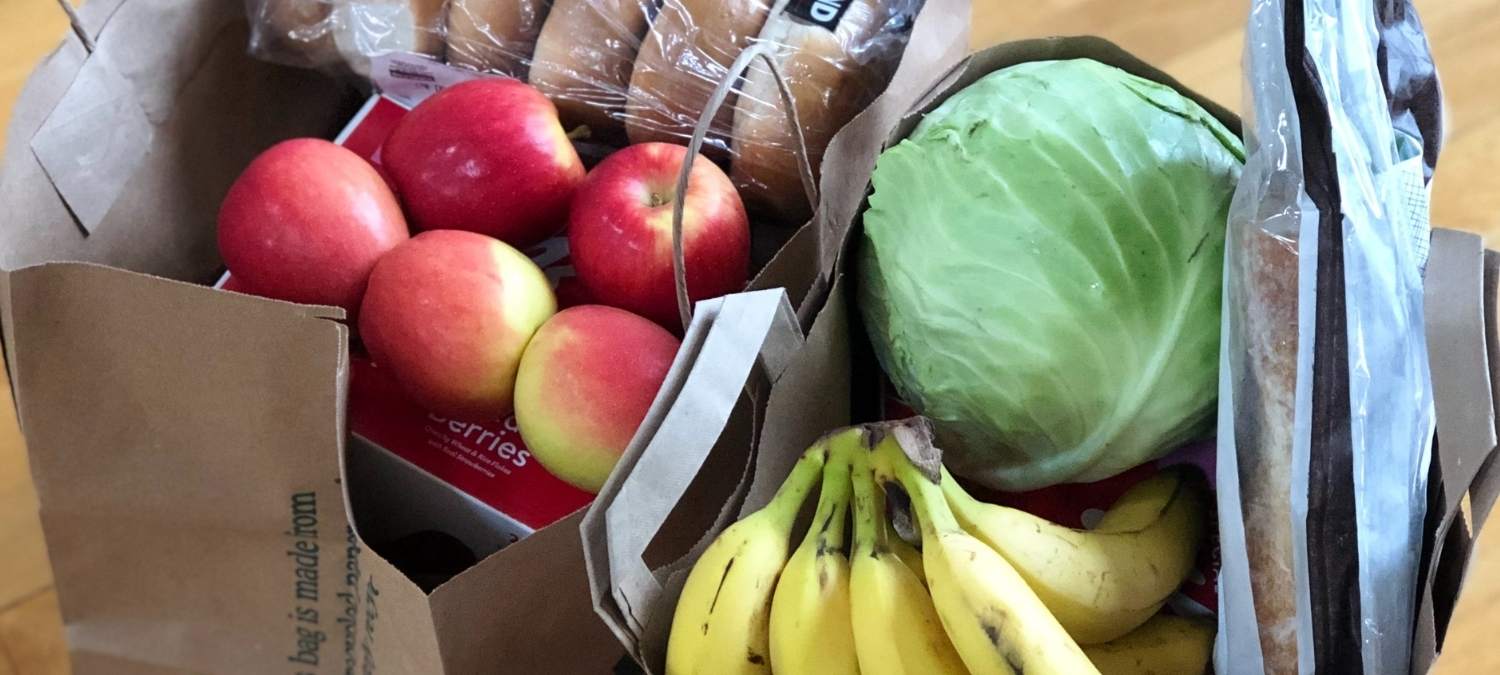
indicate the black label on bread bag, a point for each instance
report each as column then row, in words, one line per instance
column 825, row 13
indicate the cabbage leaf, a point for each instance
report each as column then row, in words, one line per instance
column 1041, row 271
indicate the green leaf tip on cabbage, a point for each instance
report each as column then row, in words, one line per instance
column 1041, row 271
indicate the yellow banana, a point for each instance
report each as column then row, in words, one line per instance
column 896, row 629
column 721, row 623
column 997, row 624
column 1165, row 645
column 1103, row 583
column 810, row 626
column 1141, row 505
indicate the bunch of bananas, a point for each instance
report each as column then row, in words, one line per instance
column 992, row 590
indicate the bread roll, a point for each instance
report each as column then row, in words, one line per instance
column 296, row 32
column 584, row 56
column 494, row 35
column 833, row 73
column 683, row 58
column 366, row 28
column 1265, row 404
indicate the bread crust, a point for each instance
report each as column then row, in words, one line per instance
column 584, row 56
column 832, row 74
column 494, row 35
column 298, row 32
column 403, row 26
column 683, row 58
column 1266, row 410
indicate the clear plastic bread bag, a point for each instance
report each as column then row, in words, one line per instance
column 632, row 71
column 1326, row 414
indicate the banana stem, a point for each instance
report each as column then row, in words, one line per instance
column 955, row 491
column 833, row 502
column 933, row 514
column 793, row 492
column 959, row 500
column 869, row 535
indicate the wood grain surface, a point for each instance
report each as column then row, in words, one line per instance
column 1197, row 41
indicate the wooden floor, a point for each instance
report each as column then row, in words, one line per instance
column 1198, row 41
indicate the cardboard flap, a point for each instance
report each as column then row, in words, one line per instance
column 121, row 156
column 729, row 339
column 185, row 446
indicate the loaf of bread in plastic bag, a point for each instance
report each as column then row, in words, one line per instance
column 633, row 70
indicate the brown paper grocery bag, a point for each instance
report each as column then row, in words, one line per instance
column 757, row 394
column 657, row 544
column 188, row 444
column 121, row 147
column 707, row 457
column 188, row 471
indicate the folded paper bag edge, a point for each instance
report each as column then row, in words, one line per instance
column 7, row 321
column 741, row 329
column 670, row 460
column 593, row 527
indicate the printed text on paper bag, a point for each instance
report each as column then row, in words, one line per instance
column 353, row 601
column 302, row 550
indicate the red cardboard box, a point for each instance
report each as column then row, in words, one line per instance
column 486, row 460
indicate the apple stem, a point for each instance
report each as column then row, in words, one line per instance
column 581, row 132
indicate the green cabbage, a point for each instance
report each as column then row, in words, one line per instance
column 1041, row 271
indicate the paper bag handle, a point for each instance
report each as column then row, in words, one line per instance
column 736, row 333
column 756, row 50
column 1460, row 316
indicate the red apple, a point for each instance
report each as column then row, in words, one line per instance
column 620, row 232
column 449, row 314
column 586, row 382
column 306, row 222
column 486, row 156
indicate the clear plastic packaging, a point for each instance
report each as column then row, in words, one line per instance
column 632, row 70
column 1326, row 411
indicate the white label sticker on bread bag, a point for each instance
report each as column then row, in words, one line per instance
column 825, row 13
column 411, row 78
